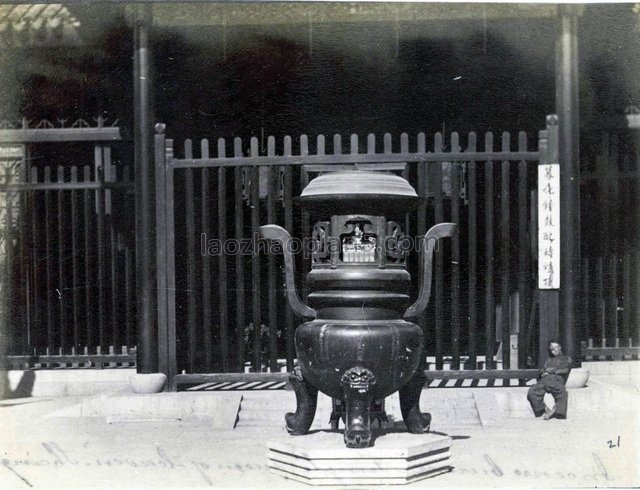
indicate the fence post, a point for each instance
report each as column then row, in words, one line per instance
column 549, row 292
column 163, row 149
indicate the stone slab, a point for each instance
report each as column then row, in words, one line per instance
column 330, row 445
column 67, row 382
column 219, row 409
column 361, row 473
column 361, row 481
column 390, row 467
column 322, row 458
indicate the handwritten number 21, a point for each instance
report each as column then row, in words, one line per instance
column 613, row 444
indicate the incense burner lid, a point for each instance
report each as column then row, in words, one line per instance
column 359, row 189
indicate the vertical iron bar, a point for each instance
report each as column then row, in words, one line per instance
column 613, row 297
column 600, row 298
column 505, row 256
column 36, row 252
column 192, row 341
column 455, row 257
column 489, row 258
column 129, row 258
column 421, row 226
column 239, row 231
column 75, row 284
column 523, row 265
column 626, row 292
column 255, row 262
column 272, row 191
column 8, row 288
column 422, row 173
column 387, row 144
column 586, row 300
column 88, row 262
column 113, row 250
column 304, row 214
column 473, row 254
column 288, row 224
column 439, row 272
column 23, row 263
column 49, row 290
column 206, row 261
column 129, row 297
column 371, row 143
column 100, row 245
column 222, row 260
column 61, row 292
column 406, row 174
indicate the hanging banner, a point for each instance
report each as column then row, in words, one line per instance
column 549, row 226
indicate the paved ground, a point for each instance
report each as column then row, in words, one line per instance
column 41, row 451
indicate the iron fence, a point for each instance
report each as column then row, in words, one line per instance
column 221, row 298
column 68, row 253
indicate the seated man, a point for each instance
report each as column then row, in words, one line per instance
column 552, row 380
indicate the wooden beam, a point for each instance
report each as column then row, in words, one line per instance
column 203, row 13
column 56, row 135
column 278, row 377
column 230, row 378
column 358, row 158
column 484, row 374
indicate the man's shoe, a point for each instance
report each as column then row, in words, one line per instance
column 549, row 414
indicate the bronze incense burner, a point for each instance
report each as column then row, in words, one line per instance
column 358, row 346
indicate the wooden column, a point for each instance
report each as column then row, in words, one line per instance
column 144, row 179
column 567, row 110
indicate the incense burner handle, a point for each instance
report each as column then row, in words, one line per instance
column 280, row 235
column 435, row 233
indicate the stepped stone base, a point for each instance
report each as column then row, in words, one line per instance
column 396, row 459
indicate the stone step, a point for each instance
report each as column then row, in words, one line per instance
column 612, row 367
column 446, row 409
column 322, row 459
column 67, row 382
column 497, row 405
column 218, row 409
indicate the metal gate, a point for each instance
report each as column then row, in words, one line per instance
column 221, row 307
column 66, row 246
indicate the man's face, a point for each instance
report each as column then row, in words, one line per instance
column 555, row 349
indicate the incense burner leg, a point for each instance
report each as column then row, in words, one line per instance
column 298, row 423
column 357, row 383
column 414, row 419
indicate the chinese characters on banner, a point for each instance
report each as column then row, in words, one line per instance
column 549, row 226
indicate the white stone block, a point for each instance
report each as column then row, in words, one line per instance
column 396, row 458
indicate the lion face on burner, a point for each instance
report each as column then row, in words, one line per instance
column 358, row 378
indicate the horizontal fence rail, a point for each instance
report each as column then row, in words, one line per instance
column 230, row 312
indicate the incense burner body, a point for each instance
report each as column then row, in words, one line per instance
column 359, row 345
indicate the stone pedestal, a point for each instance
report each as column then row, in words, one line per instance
column 395, row 459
